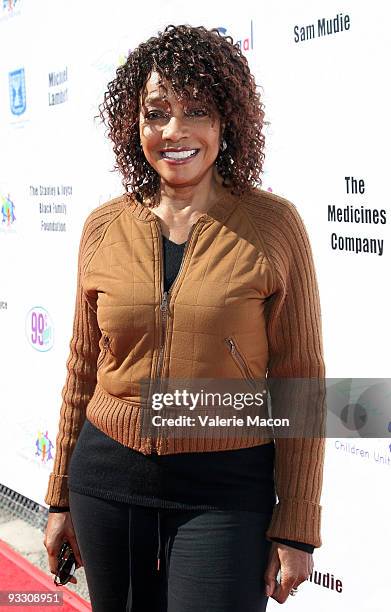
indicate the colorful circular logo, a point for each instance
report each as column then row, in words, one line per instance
column 39, row 329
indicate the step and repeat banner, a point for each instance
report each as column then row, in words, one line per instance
column 322, row 69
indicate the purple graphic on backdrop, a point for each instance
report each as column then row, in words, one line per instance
column 44, row 446
column 39, row 329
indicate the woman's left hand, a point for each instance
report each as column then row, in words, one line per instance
column 295, row 565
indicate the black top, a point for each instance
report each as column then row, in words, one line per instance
column 241, row 479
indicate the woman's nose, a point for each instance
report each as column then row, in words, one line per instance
column 174, row 129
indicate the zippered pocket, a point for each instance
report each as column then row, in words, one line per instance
column 240, row 362
column 105, row 350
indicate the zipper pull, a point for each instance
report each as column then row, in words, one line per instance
column 163, row 305
column 231, row 345
column 106, row 341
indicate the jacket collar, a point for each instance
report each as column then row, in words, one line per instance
column 220, row 210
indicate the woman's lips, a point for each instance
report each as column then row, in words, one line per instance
column 179, row 161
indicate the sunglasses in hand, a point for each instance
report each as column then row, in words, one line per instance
column 66, row 565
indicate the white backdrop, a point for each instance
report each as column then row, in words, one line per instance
column 327, row 96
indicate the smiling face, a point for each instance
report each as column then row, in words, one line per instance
column 180, row 139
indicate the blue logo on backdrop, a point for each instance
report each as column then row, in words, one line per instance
column 246, row 42
column 17, row 91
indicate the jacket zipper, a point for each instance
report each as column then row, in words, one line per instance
column 106, row 347
column 240, row 362
column 165, row 295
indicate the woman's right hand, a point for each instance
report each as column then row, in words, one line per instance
column 59, row 529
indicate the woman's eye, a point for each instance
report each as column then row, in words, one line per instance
column 198, row 112
column 154, row 115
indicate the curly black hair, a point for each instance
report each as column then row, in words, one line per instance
column 195, row 62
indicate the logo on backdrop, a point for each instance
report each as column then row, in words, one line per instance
column 17, row 88
column 7, row 211
column 323, row 27
column 381, row 455
column 9, row 8
column 44, row 447
column 39, row 329
column 326, row 580
column 246, row 42
column 58, row 93
column 368, row 240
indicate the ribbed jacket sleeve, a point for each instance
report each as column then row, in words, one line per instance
column 295, row 352
column 81, row 374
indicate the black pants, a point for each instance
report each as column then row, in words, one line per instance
column 211, row 561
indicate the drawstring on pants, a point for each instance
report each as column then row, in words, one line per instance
column 159, row 540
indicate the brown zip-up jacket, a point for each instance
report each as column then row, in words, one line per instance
column 244, row 305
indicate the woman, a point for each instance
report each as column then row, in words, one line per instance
column 193, row 273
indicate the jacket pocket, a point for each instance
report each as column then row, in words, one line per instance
column 240, row 362
column 104, row 351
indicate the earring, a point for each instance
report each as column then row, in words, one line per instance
column 223, row 145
